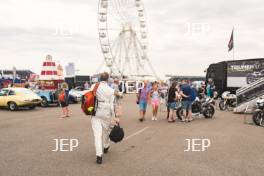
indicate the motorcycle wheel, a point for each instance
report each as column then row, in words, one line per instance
column 258, row 118
column 179, row 113
column 209, row 112
column 222, row 105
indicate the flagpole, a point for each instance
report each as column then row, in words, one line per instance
column 233, row 44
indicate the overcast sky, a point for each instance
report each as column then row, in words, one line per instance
column 176, row 46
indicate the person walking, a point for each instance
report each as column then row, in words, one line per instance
column 118, row 97
column 155, row 100
column 104, row 117
column 186, row 102
column 143, row 98
column 163, row 89
column 64, row 100
column 86, row 85
column 172, row 102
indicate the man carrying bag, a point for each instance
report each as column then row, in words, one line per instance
column 104, row 117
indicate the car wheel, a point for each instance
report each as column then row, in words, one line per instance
column 75, row 101
column 12, row 106
column 44, row 102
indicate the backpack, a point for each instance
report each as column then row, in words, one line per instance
column 62, row 96
column 89, row 101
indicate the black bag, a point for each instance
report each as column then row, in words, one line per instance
column 138, row 96
column 117, row 134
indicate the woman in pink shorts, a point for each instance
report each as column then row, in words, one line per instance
column 155, row 100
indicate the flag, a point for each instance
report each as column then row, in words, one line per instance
column 231, row 42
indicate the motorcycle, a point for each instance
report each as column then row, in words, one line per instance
column 258, row 116
column 199, row 107
column 228, row 101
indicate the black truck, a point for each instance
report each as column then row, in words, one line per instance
column 232, row 75
column 77, row 81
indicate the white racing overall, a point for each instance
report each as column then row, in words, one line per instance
column 101, row 122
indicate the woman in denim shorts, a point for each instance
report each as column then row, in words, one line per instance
column 172, row 102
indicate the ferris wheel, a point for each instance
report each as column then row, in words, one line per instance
column 122, row 29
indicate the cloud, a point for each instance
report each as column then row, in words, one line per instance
column 28, row 33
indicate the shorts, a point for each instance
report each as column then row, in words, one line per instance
column 155, row 103
column 143, row 105
column 64, row 104
column 186, row 105
column 172, row 105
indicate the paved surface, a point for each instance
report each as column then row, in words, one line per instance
column 151, row 148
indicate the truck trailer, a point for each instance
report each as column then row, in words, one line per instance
column 234, row 74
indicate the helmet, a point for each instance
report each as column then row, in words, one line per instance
column 117, row 134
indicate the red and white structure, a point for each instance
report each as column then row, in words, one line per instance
column 51, row 75
column 49, row 70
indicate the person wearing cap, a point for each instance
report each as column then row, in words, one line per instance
column 104, row 117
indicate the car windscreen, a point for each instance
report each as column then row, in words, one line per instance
column 4, row 92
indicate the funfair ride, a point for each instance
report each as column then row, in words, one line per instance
column 51, row 76
column 122, row 30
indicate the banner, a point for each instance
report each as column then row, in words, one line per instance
column 244, row 72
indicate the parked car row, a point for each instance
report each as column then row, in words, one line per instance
column 15, row 98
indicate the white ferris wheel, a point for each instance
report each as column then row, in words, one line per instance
column 122, row 29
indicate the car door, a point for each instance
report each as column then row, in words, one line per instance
column 3, row 97
column 11, row 96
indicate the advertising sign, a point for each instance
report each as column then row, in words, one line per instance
column 241, row 73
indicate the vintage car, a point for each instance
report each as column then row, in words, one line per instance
column 14, row 98
column 75, row 97
column 77, row 93
column 48, row 97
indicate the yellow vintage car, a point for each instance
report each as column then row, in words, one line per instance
column 13, row 98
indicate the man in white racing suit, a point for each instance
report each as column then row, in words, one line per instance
column 105, row 116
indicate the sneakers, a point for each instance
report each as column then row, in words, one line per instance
column 99, row 159
column 106, row 149
column 154, row 118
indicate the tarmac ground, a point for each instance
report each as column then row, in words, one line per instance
column 151, row 148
